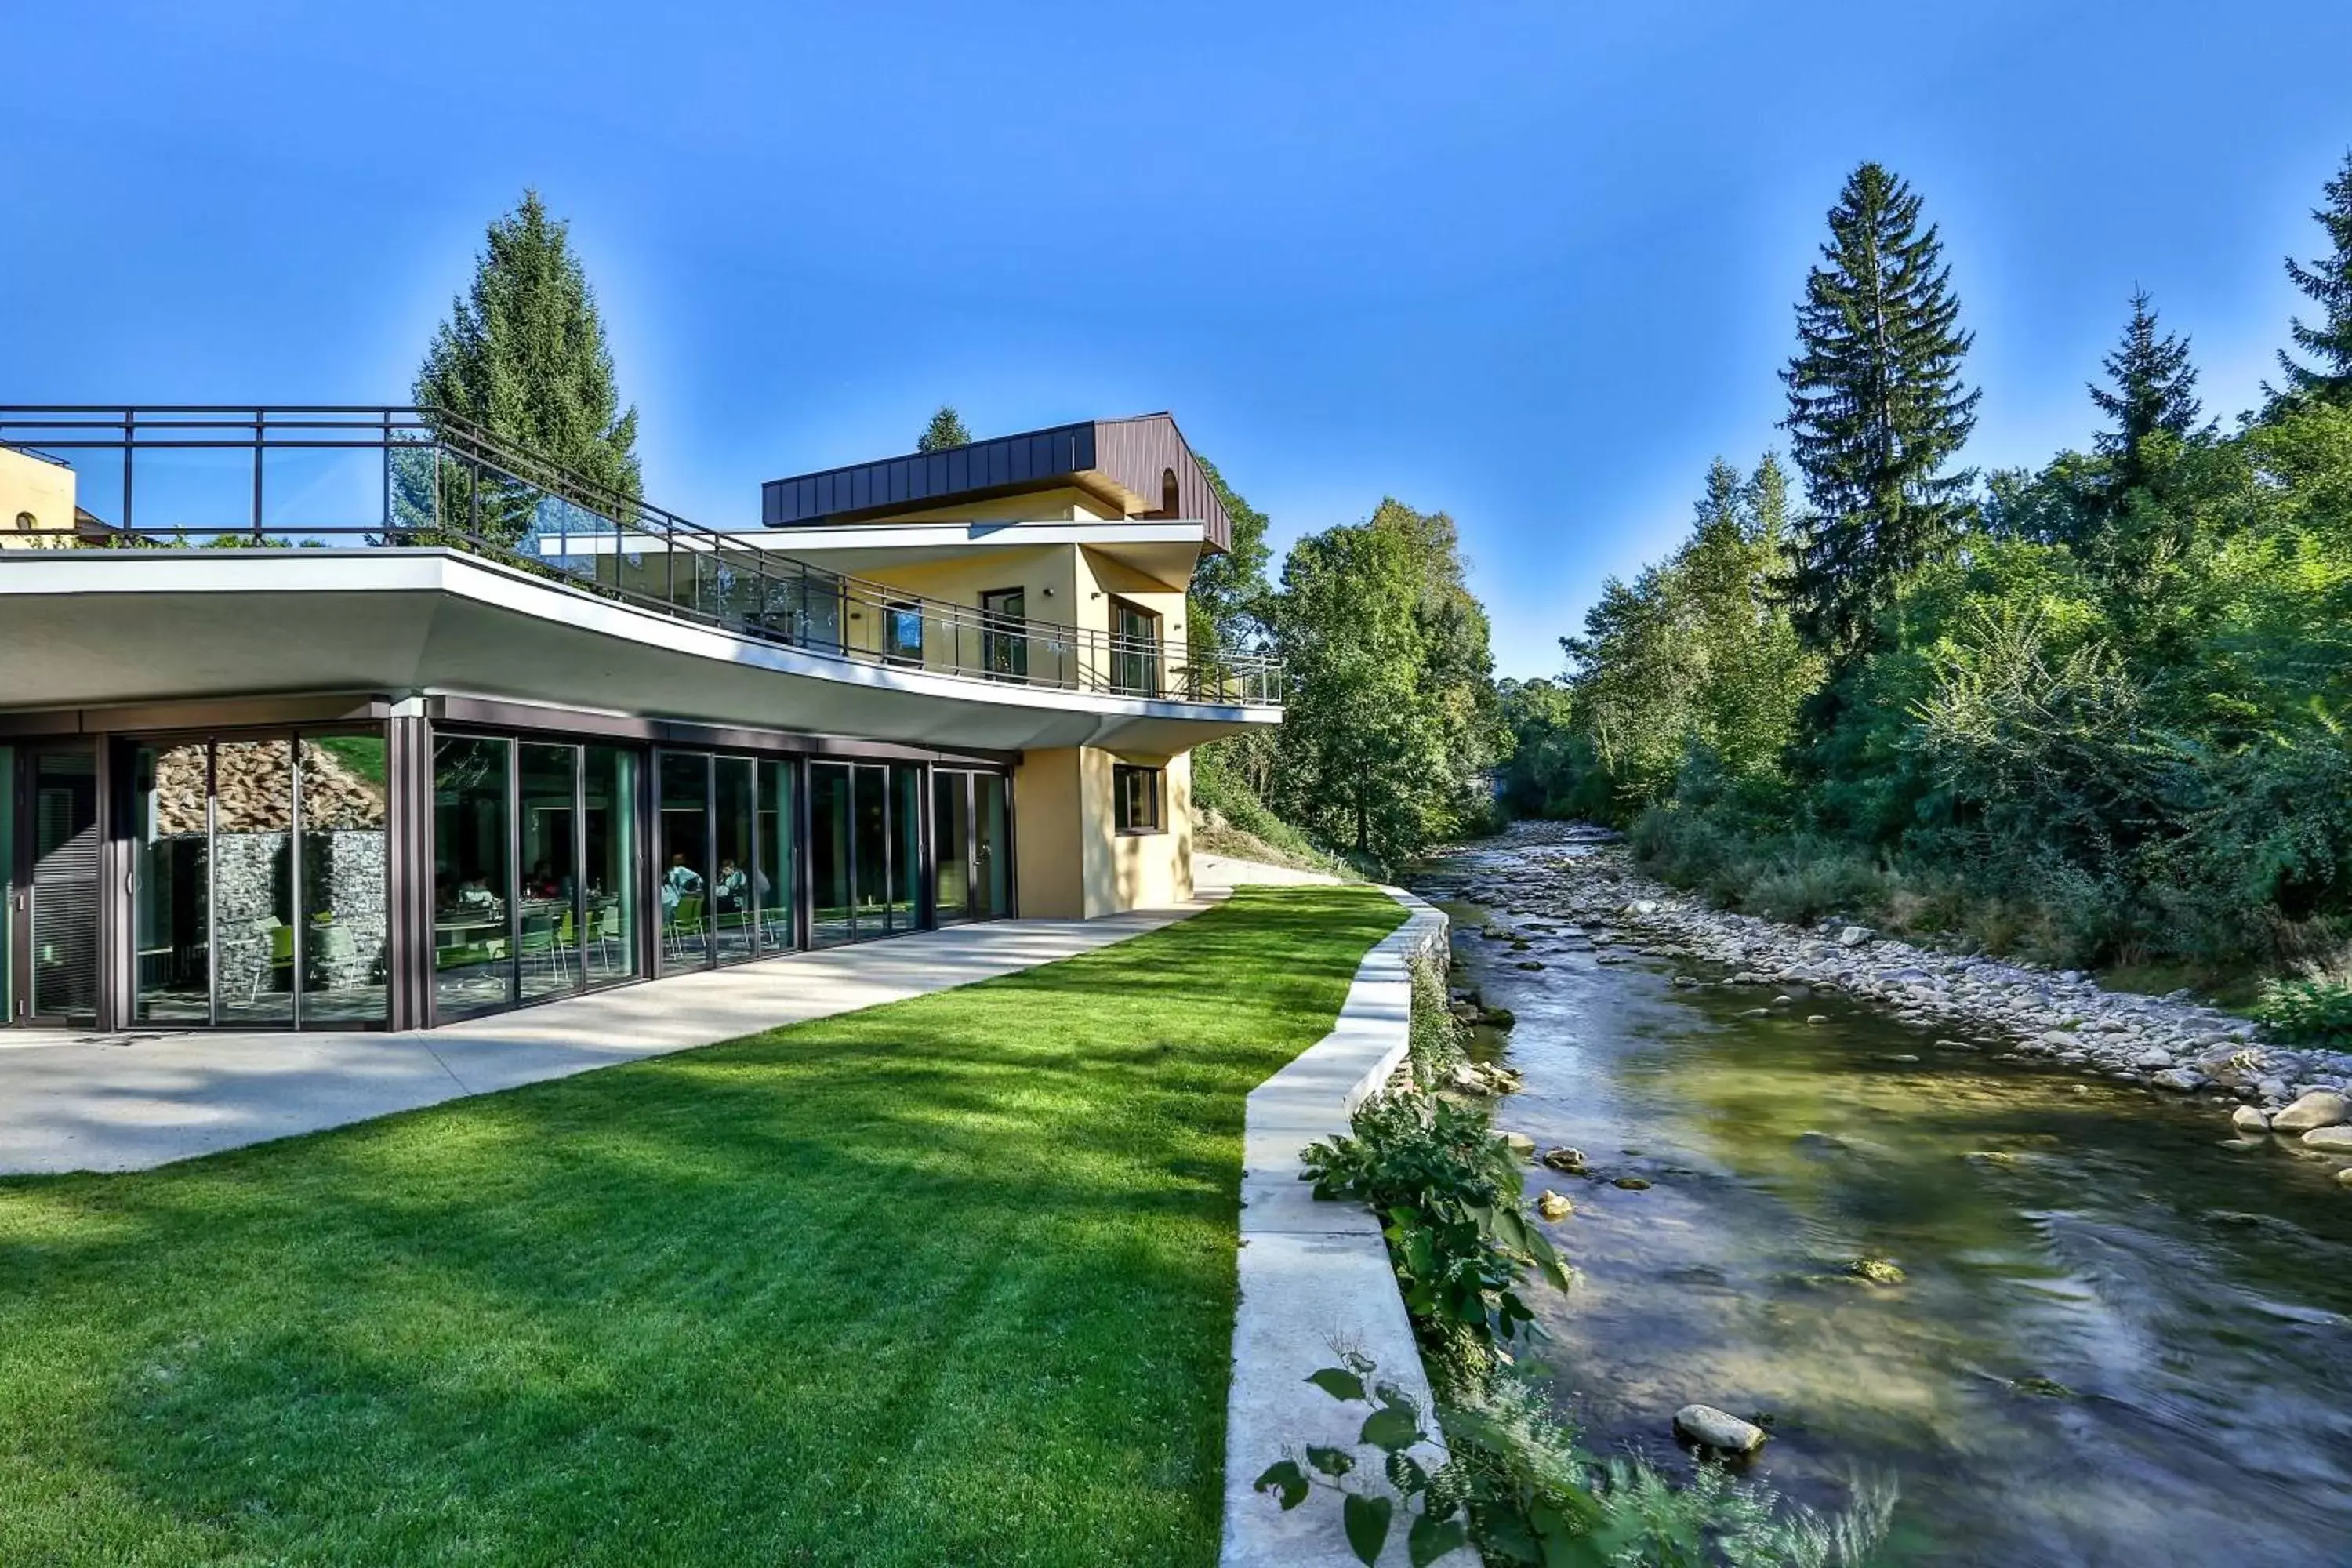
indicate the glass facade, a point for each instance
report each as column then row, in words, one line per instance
column 264, row 884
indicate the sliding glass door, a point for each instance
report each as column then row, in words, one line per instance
column 866, row 843
column 258, row 881
column 968, row 842
column 726, row 876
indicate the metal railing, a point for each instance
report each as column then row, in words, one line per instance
column 191, row 476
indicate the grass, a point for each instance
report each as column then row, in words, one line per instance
column 948, row 1281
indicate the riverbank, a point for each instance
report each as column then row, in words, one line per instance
column 1577, row 885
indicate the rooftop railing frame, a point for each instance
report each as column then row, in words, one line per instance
column 433, row 479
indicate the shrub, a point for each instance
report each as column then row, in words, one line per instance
column 2314, row 1009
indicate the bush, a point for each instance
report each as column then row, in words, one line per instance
column 2315, row 1009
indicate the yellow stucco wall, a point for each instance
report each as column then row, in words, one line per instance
column 1072, row 861
column 42, row 491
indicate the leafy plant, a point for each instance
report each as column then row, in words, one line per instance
column 2315, row 1009
column 1395, row 1424
column 1449, row 1190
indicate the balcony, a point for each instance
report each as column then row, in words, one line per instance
column 187, row 479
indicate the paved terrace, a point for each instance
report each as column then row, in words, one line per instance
column 76, row 1101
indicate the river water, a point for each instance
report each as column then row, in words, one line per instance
column 2119, row 1341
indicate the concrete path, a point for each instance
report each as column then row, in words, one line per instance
column 1313, row 1274
column 76, row 1101
column 1230, row 871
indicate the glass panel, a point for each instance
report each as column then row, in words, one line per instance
column 684, row 844
column 611, row 900
column 171, row 891
column 906, row 847
column 473, row 960
column 734, row 898
column 870, row 849
column 952, row 842
column 547, row 919
column 8, row 885
column 829, row 859
column 191, row 495
column 253, row 881
column 1006, row 649
column 773, row 883
column 991, row 851
column 344, row 908
column 64, row 884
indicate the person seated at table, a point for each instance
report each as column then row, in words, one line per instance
column 681, row 881
column 474, row 896
column 731, row 884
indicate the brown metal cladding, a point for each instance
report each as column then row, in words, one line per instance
column 1134, row 454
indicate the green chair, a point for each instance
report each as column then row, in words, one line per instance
column 280, row 939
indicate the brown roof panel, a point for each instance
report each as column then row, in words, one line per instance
column 1128, row 459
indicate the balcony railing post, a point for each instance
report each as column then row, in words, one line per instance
column 385, row 475
column 259, row 417
column 129, row 449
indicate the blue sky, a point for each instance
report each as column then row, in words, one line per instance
column 1532, row 264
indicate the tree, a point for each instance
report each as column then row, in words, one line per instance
column 2328, row 283
column 946, row 429
column 523, row 357
column 1875, row 410
column 2155, row 391
column 1229, row 602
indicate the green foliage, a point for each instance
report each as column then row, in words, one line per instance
column 523, row 357
column 946, row 429
column 1449, row 1190
column 2314, row 1008
column 1439, row 1042
column 1875, row 410
column 1392, row 718
column 2328, row 283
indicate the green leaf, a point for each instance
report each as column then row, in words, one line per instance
column 1285, row 1476
column 1431, row 1538
column 1406, row 1475
column 1333, row 1462
column 1391, row 1429
column 1339, row 1382
column 1366, row 1520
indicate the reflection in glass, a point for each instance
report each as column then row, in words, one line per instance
column 685, row 847
column 735, row 889
column 473, row 957
column 547, row 927
column 344, row 929
column 64, row 937
column 906, row 847
column 952, row 842
column 829, row 857
column 171, row 893
column 774, row 900
column 869, row 849
column 253, row 880
column 991, row 851
column 609, row 901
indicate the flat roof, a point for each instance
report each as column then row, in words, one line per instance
column 1126, row 461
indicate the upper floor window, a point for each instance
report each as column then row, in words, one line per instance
column 902, row 632
column 1134, row 649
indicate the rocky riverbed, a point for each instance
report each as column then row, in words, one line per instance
column 1575, row 888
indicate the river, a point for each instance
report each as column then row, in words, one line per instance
column 2118, row 1341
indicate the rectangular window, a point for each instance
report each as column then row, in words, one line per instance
column 1135, row 651
column 1004, row 648
column 1135, row 798
column 902, row 632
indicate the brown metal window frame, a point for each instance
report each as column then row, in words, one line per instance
column 1155, row 783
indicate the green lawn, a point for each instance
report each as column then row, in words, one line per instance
column 945, row 1281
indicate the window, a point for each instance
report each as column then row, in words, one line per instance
column 902, row 632
column 1135, row 798
column 1134, row 650
column 1004, row 643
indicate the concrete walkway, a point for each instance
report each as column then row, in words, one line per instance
column 76, row 1101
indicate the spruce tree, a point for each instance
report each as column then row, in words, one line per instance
column 2328, row 283
column 946, row 429
column 1875, row 410
column 523, row 356
column 2155, row 392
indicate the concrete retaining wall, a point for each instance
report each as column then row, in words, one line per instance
column 1312, row 1273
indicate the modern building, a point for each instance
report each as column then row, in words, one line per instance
column 357, row 717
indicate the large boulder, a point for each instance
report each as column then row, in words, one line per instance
column 1719, row 1429
column 2249, row 1121
column 2329, row 1139
column 2320, row 1108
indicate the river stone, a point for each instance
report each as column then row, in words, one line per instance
column 2249, row 1121
column 2154, row 1057
column 2180, row 1080
column 1719, row 1429
column 1570, row 1161
column 1855, row 936
column 2320, row 1108
column 2329, row 1139
column 2344, row 1177
column 1817, row 1018
column 1521, row 1146
column 1552, row 1205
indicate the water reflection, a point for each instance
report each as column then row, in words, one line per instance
column 2117, row 1341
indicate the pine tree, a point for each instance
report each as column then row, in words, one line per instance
column 946, row 429
column 2155, row 392
column 523, row 356
column 1875, row 410
column 2328, row 283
